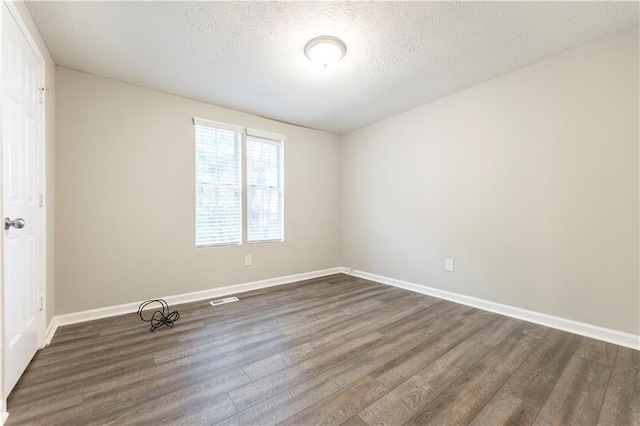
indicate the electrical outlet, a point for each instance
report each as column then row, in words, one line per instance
column 247, row 260
column 448, row 265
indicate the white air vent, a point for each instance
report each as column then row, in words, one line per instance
column 223, row 301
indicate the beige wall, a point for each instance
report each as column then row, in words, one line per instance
column 529, row 182
column 125, row 198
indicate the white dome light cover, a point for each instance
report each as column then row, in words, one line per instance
column 325, row 50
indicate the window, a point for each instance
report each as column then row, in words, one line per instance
column 264, row 190
column 218, row 184
column 221, row 184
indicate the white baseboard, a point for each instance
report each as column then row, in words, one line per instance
column 600, row 333
column 127, row 308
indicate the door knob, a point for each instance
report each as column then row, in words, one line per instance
column 16, row 223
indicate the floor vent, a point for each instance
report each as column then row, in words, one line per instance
column 223, row 301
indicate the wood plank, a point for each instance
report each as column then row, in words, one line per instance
column 208, row 412
column 477, row 386
column 73, row 363
column 393, row 373
column 480, row 383
column 151, row 402
column 519, row 401
column 263, row 388
column 412, row 396
column 285, row 404
column 26, row 392
column 409, row 327
column 300, row 353
column 163, row 408
column 500, row 411
column 273, row 316
column 215, row 343
column 355, row 421
column 597, row 351
column 46, row 407
column 622, row 399
column 578, row 395
column 340, row 406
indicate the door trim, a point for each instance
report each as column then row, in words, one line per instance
column 41, row 163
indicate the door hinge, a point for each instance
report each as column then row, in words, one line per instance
column 42, row 90
column 41, row 303
column 41, row 200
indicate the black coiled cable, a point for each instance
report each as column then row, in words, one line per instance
column 159, row 317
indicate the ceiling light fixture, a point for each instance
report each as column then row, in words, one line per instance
column 325, row 50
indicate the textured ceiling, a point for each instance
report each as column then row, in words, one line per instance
column 249, row 55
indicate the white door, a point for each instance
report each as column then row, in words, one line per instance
column 20, row 200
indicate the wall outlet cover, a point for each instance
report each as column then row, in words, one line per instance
column 448, row 265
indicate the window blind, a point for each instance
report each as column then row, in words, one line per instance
column 218, row 185
column 265, row 190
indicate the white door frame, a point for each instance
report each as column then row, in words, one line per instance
column 42, row 241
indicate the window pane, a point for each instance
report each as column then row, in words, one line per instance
column 264, row 214
column 263, row 164
column 218, row 191
column 218, row 218
column 265, row 218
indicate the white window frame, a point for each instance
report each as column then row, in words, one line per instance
column 264, row 136
column 198, row 122
column 279, row 142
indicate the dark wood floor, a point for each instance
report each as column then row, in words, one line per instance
column 333, row 350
